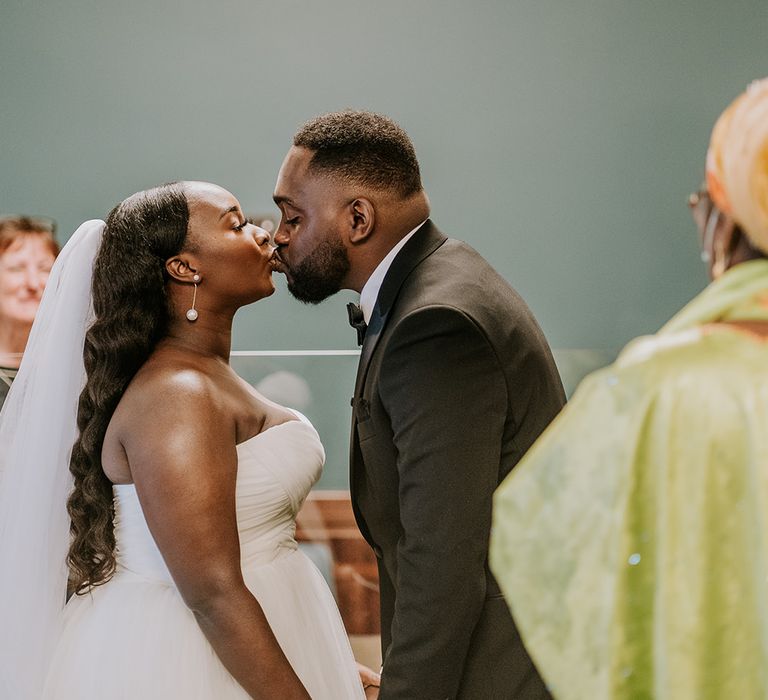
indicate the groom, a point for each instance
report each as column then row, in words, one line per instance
column 455, row 382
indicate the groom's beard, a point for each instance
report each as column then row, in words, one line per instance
column 321, row 273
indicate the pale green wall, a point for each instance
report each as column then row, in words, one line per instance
column 558, row 138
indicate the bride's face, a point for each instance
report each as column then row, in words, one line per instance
column 232, row 256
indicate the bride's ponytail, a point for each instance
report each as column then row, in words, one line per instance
column 131, row 315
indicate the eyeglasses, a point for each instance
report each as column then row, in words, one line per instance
column 707, row 216
column 21, row 222
column 700, row 204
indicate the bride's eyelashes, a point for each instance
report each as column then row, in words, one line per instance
column 240, row 227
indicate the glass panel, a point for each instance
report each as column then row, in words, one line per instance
column 320, row 383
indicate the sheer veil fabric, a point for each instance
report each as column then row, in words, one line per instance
column 38, row 427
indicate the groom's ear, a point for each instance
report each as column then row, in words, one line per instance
column 361, row 215
column 180, row 269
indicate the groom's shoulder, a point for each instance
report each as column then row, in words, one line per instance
column 463, row 260
column 457, row 275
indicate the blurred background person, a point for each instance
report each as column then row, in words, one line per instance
column 27, row 251
column 631, row 541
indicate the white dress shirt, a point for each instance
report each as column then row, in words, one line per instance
column 370, row 291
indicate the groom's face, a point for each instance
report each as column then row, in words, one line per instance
column 310, row 238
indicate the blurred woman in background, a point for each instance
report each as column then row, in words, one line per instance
column 631, row 541
column 27, row 252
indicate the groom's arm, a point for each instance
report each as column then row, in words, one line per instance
column 445, row 393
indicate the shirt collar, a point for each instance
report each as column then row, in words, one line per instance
column 370, row 291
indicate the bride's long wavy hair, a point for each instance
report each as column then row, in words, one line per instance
column 131, row 315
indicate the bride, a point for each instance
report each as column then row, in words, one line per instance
column 183, row 482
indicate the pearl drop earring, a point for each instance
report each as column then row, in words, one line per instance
column 192, row 313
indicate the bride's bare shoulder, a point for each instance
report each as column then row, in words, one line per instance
column 167, row 391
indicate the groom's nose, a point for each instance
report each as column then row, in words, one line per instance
column 281, row 237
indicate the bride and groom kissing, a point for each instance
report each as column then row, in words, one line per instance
column 141, row 472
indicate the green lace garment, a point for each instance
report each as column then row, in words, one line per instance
column 632, row 540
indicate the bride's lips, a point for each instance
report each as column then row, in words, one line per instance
column 276, row 262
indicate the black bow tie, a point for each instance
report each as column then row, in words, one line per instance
column 357, row 321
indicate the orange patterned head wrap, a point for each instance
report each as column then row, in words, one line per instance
column 737, row 162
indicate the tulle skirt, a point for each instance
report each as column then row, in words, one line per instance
column 135, row 639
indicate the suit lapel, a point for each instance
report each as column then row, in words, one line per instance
column 422, row 244
column 372, row 335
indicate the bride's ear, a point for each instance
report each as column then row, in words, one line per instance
column 182, row 270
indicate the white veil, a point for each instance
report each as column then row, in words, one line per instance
column 38, row 427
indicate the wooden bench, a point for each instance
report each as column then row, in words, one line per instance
column 327, row 518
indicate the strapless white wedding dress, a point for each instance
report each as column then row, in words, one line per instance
column 134, row 638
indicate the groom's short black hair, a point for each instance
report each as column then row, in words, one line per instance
column 364, row 148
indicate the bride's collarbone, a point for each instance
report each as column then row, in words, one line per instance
column 256, row 412
column 258, row 417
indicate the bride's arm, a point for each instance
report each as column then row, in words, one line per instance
column 181, row 450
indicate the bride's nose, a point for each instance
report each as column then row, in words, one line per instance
column 262, row 237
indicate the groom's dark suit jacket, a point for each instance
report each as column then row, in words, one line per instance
column 456, row 381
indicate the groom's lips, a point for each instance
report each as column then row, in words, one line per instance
column 276, row 262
